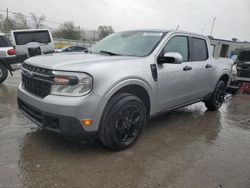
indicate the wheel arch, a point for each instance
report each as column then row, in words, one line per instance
column 138, row 91
column 225, row 77
column 136, row 87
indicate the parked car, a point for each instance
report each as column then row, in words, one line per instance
column 32, row 42
column 72, row 48
column 8, row 58
column 125, row 79
column 242, row 64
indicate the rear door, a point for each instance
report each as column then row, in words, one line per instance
column 202, row 68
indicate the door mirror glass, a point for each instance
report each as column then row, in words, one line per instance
column 171, row 57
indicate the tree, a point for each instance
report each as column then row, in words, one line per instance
column 7, row 24
column 37, row 21
column 104, row 31
column 68, row 30
column 21, row 21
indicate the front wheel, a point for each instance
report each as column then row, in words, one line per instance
column 217, row 98
column 3, row 73
column 123, row 121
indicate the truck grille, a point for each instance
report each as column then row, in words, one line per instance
column 35, row 82
column 33, row 113
column 244, row 73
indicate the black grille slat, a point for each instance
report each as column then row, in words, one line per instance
column 38, row 84
column 31, row 112
column 244, row 73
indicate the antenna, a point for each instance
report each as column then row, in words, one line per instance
column 212, row 26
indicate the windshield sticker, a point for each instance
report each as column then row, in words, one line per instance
column 152, row 34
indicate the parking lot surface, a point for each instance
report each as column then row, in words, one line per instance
column 190, row 147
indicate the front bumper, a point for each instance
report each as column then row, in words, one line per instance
column 62, row 114
column 67, row 126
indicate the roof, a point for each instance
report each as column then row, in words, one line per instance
column 29, row 30
column 169, row 30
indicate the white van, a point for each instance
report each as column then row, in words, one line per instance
column 32, row 42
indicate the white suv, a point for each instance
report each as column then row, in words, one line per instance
column 7, row 57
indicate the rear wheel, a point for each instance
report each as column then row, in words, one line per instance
column 3, row 73
column 122, row 122
column 217, row 99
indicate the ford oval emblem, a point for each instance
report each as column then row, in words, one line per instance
column 29, row 74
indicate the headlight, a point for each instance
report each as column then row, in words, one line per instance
column 71, row 84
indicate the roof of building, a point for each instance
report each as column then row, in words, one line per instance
column 224, row 40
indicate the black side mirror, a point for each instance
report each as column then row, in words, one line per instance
column 170, row 57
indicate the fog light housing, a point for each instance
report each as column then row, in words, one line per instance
column 87, row 122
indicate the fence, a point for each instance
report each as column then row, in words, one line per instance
column 60, row 43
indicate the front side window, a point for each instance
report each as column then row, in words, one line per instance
column 178, row 44
column 198, row 49
column 129, row 43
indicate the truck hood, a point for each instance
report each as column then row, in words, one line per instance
column 73, row 61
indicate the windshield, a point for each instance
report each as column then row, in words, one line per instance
column 244, row 56
column 4, row 42
column 128, row 43
column 23, row 38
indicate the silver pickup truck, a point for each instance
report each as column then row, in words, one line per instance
column 123, row 80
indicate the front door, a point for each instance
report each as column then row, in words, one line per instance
column 175, row 81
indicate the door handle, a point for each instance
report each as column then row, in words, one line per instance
column 187, row 68
column 208, row 66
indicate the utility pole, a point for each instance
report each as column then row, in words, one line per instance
column 212, row 26
column 7, row 14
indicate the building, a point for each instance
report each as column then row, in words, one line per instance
column 226, row 48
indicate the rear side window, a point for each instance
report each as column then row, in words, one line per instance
column 198, row 49
column 178, row 44
column 4, row 42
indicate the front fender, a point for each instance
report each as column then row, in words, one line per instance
column 119, row 85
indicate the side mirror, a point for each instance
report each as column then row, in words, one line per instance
column 170, row 57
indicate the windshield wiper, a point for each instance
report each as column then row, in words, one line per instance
column 109, row 53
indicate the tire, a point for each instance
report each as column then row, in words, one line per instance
column 217, row 98
column 122, row 122
column 3, row 73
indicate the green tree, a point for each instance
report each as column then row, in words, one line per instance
column 68, row 30
column 104, row 31
column 20, row 21
column 7, row 24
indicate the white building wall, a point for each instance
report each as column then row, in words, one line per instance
column 233, row 46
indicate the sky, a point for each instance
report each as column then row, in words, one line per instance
column 232, row 16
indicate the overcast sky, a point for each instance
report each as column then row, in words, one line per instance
column 232, row 16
